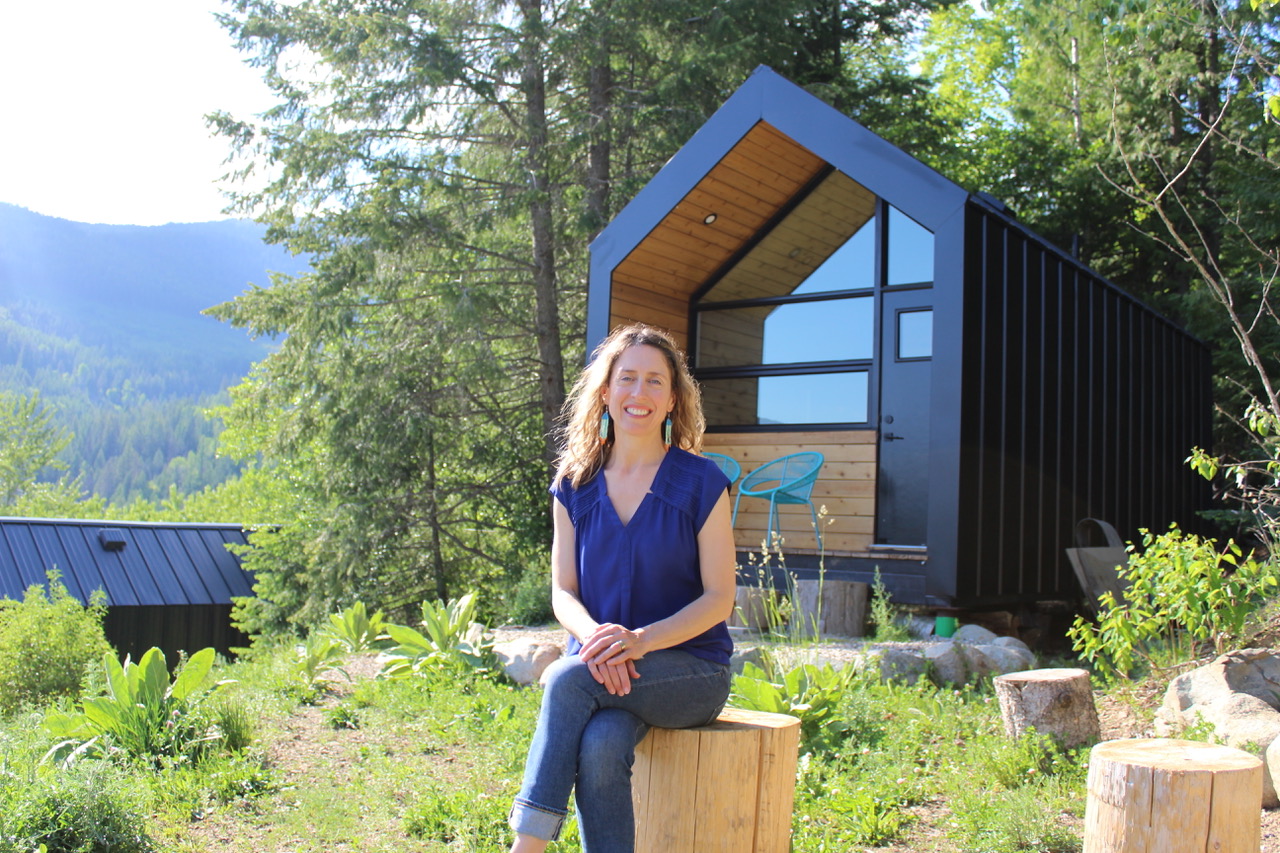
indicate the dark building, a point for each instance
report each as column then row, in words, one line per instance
column 167, row 584
column 975, row 390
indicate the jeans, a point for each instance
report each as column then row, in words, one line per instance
column 586, row 737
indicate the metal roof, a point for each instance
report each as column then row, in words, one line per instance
column 135, row 563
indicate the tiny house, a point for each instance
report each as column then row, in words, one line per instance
column 975, row 391
column 166, row 584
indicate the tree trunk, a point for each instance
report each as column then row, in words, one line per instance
column 1172, row 796
column 600, row 105
column 1056, row 702
column 546, row 307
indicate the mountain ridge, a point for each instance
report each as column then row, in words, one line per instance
column 105, row 323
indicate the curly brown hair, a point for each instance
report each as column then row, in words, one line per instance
column 582, row 454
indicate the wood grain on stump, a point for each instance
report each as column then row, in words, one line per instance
column 1056, row 702
column 724, row 788
column 1156, row 795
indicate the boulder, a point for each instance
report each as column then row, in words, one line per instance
column 947, row 662
column 1011, row 642
column 1254, row 672
column 973, row 635
column 981, row 664
column 1235, row 696
column 525, row 660
column 1007, row 658
column 892, row 664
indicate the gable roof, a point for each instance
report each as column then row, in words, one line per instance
column 768, row 148
column 135, row 563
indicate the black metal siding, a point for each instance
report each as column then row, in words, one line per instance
column 171, row 585
column 1079, row 402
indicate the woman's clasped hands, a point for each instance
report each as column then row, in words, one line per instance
column 610, row 653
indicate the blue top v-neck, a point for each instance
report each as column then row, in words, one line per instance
column 647, row 569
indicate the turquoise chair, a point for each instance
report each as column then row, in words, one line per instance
column 728, row 466
column 786, row 480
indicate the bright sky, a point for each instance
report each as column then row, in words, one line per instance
column 102, row 108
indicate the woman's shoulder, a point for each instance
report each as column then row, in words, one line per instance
column 577, row 499
column 690, row 481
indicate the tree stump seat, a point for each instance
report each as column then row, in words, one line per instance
column 727, row 787
column 1158, row 795
column 1056, row 702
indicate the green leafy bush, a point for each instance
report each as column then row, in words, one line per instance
column 452, row 641
column 89, row 808
column 142, row 714
column 884, row 615
column 317, row 661
column 529, row 602
column 356, row 629
column 48, row 642
column 1180, row 588
column 812, row 694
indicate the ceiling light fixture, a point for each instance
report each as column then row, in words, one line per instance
column 709, row 218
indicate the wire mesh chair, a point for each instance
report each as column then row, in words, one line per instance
column 786, row 480
column 727, row 464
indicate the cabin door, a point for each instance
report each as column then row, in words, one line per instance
column 906, row 353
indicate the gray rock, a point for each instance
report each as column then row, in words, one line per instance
column 947, row 663
column 981, row 664
column 1271, row 772
column 973, row 635
column 1236, row 696
column 1013, row 643
column 744, row 654
column 1008, row 658
column 920, row 627
column 525, row 660
column 1254, row 672
column 893, row 664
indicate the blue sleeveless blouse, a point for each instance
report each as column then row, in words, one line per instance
column 635, row 574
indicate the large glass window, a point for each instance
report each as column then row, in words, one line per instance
column 787, row 336
column 805, row 398
column 910, row 250
column 827, row 330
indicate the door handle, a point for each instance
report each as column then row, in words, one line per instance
column 888, row 436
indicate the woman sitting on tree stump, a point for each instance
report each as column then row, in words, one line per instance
column 642, row 575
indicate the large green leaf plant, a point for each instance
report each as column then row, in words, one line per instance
column 142, row 714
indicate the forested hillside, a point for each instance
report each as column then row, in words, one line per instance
column 105, row 323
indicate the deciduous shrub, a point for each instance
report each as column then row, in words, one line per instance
column 48, row 642
column 88, row 808
column 1181, row 588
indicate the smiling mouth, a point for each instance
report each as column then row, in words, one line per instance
column 639, row 413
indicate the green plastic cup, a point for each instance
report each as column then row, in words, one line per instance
column 944, row 626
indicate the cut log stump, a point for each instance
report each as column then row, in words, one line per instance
column 724, row 788
column 1156, row 795
column 843, row 607
column 752, row 608
column 1057, row 702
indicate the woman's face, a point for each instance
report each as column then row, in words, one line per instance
column 640, row 393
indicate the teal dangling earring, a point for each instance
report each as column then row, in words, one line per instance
column 666, row 432
column 604, row 426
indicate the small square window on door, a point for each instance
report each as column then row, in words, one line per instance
column 915, row 334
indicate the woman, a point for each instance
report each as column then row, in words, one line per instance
column 642, row 577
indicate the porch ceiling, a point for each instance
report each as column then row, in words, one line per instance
column 746, row 190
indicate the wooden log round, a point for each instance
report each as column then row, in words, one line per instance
column 1056, row 702
column 838, row 608
column 753, row 608
column 1172, row 796
column 724, row 788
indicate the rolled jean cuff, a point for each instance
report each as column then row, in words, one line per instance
column 529, row 818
